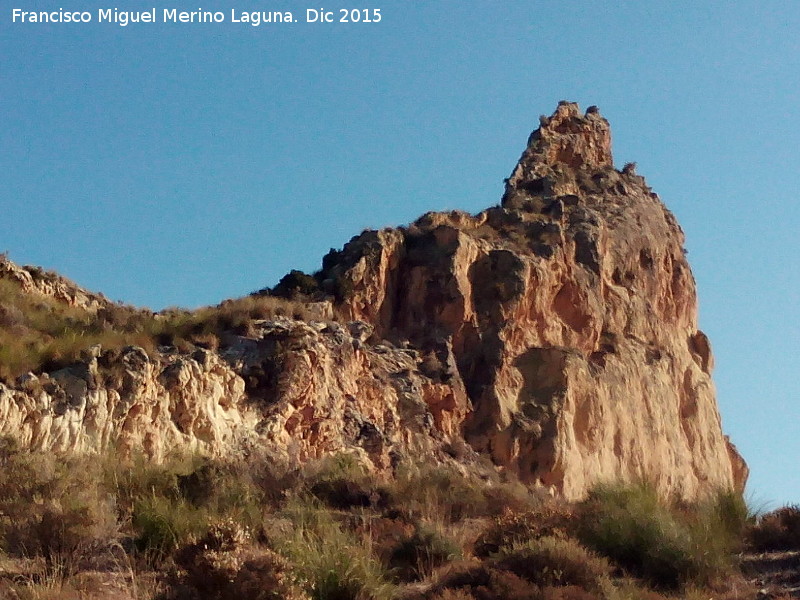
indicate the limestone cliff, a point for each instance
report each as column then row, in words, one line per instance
column 301, row 389
column 570, row 313
column 556, row 333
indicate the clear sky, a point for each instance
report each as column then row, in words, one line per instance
column 182, row 164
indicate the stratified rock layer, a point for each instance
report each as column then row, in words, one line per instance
column 556, row 333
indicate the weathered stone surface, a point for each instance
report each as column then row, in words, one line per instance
column 134, row 404
column 302, row 389
column 572, row 315
column 556, row 333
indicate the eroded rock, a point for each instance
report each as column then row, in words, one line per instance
column 572, row 315
column 556, row 333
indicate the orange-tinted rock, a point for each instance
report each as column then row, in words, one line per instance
column 572, row 315
column 302, row 389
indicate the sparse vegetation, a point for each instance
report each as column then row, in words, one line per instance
column 556, row 561
column 519, row 527
column 193, row 528
column 330, row 559
column 667, row 545
column 254, row 527
column 296, row 284
column 341, row 482
column 228, row 563
column 776, row 530
column 39, row 334
column 53, row 510
column 442, row 493
column 418, row 555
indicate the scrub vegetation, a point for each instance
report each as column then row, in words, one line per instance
column 40, row 333
column 258, row 527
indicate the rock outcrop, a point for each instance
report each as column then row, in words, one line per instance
column 556, row 333
column 301, row 389
column 35, row 280
column 570, row 313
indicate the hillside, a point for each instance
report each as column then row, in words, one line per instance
column 555, row 334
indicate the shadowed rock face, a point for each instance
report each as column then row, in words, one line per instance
column 556, row 333
column 571, row 313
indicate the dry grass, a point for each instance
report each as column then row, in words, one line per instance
column 340, row 481
column 775, row 531
column 441, row 493
column 668, row 545
column 88, row 585
column 548, row 520
column 38, row 333
column 419, row 554
column 556, row 561
column 481, row 581
column 193, row 528
column 42, row 334
column 227, row 563
column 333, row 563
column 54, row 510
column 235, row 316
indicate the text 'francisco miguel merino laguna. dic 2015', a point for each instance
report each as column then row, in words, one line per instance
column 173, row 15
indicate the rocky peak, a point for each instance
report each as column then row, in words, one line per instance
column 564, row 143
column 570, row 314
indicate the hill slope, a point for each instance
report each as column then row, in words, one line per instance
column 555, row 333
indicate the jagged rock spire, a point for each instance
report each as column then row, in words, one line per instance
column 564, row 141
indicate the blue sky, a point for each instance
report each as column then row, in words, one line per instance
column 172, row 164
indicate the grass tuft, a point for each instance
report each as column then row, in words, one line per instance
column 665, row 544
column 334, row 563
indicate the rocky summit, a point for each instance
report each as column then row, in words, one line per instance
column 555, row 334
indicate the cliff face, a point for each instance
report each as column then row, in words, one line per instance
column 555, row 333
column 570, row 313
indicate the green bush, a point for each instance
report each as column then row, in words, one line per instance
column 172, row 503
column 162, row 524
column 416, row 556
column 296, row 283
column 728, row 512
column 669, row 546
column 333, row 563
